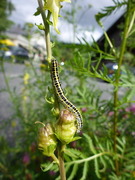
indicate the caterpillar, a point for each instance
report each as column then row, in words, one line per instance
column 61, row 96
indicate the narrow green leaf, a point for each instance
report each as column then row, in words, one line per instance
column 97, row 168
column 74, row 153
column 73, row 172
column 104, row 163
column 85, row 170
column 49, row 22
column 91, row 146
column 47, row 166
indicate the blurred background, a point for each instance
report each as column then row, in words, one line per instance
column 24, row 79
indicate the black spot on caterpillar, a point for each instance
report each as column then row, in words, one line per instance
column 61, row 96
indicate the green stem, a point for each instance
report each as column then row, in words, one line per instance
column 57, row 106
column 109, row 41
column 6, row 81
column 61, row 162
column 90, row 158
column 47, row 40
column 116, row 87
column 47, row 31
column 55, row 159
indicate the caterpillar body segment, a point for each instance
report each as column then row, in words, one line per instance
column 61, row 96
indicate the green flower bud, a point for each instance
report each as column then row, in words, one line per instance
column 55, row 111
column 46, row 140
column 65, row 128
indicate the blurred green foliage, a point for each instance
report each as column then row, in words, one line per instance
column 6, row 8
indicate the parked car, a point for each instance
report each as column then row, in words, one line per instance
column 15, row 53
column 111, row 68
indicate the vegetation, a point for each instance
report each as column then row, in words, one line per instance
column 6, row 8
column 106, row 146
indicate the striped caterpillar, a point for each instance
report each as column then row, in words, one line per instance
column 61, row 96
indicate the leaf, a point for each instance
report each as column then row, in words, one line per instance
column 40, row 26
column 109, row 10
column 67, row 167
column 47, row 166
column 73, row 172
column 120, row 149
column 74, row 153
column 122, row 141
column 76, row 138
column 128, row 96
column 96, row 164
column 90, row 143
column 85, row 170
column 49, row 22
column 37, row 12
column 104, row 163
column 89, row 62
column 110, row 161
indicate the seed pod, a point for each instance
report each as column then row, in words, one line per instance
column 65, row 128
column 46, row 140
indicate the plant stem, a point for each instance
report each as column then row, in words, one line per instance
column 109, row 41
column 47, row 40
column 89, row 158
column 6, row 80
column 47, row 31
column 55, row 159
column 57, row 106
column 116, row 87
column 61, row 162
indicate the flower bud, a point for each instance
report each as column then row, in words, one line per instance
column 55, row 111
column 65, row 128
column 46, row 140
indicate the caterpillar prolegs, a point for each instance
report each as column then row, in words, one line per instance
column 61, row 96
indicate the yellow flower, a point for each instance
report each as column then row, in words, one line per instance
column 25, row 98
column 26, row 78
column 42, row 66
column 54, row 7
column 13, row 124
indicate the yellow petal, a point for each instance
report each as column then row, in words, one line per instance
column 26, row 78
column 54, row 7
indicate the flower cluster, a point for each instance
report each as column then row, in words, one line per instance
column 63, row 131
